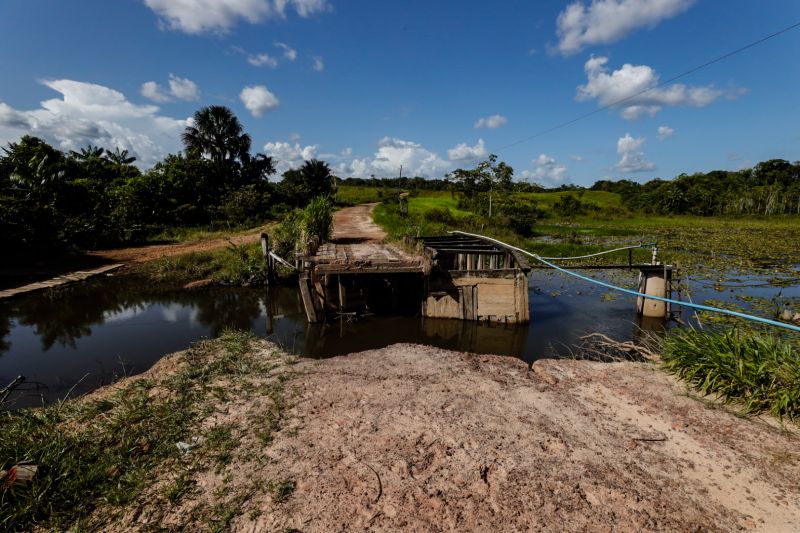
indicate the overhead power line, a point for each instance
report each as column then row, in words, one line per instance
column 657, row 86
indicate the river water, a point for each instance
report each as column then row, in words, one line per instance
column 82, row 336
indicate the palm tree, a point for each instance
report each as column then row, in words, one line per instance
column 317, row 177
column 217, row 135
column 120, row 157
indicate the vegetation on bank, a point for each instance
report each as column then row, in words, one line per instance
column 53, row 201
column 759, row 371
column 146, row 441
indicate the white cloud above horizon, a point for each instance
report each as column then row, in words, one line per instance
column 546, row 171
column 262, row 59
column 630, row 80
column 289, row 155
column 462, row 152
column 220, row 16
column 258, row 100
column 415, row 159
column 491, row 122
column 288, row 52
column 88, row 113
column 665, row 132
column 608, row 21
column 631, row 157
column 179, row 89
column 318, row 64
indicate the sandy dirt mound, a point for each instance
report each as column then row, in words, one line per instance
column 417, row 438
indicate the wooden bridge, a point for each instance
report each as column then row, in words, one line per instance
column 466, row 278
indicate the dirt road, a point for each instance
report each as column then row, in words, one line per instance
column 415, row 438
column 141, row 254
column 355, row 224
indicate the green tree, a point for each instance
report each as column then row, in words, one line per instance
column 312, row 179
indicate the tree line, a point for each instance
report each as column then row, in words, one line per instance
column 769, row 188
column 54, row 200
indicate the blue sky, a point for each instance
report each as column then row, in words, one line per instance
column 368, row 86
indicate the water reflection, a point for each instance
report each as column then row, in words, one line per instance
column 116, row 326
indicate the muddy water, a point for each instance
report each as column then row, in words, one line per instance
column 85, row 335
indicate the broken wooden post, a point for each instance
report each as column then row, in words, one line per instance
column 267, row 258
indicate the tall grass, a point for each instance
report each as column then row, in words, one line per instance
column 760, row 371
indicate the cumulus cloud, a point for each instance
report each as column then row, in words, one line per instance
column 631, row 157
column 289, row 155
column 260, row 60
column 491, row 122
column 390, row 155
column 610, row 87
column 153, row 91
column 179, row 89
column 220, row 16
column 665, row 132
column 607, row 21
column 288, row 52
column 318, row 64
column 258, row 100
column 546, row 171
column 86, row 113
column 464, row 152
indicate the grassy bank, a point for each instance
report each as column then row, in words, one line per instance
column 759, row 371
column 707, row 245
column 240, row 266
column 119, row 447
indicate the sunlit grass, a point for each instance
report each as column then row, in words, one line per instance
column 758, row 370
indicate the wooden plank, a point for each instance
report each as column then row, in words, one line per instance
column 58, row 281
column 308, row 302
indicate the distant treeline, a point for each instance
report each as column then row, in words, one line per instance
column 770, row 188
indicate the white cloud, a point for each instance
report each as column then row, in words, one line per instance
column 546, row 171
column 258, row 100
column 608, row 88
column 576, row 157
column 87, row 113
column 464, row 152
column 219, row 16
column 260, row 60
column 288, row 52
column 183, row 88
column 606, row 21
column 179, row 89
column 491, row 122
column 665, row 132
column 153, row 91
column 391, row 154
column 347, row 152
column 319, row 64
column 288, row 156
column 631, row 157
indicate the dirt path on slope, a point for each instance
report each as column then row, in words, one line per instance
column 141, row 254
column 415, row 438
column 355, row 224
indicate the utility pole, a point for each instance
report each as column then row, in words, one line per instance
column 401, row 171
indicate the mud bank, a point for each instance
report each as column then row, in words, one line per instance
column 422, row 439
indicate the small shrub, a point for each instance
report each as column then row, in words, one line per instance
column 441, row 215
column 318, row 218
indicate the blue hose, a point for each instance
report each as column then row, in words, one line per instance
column 762, row 320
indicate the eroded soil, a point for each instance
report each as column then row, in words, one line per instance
column 422, row 439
